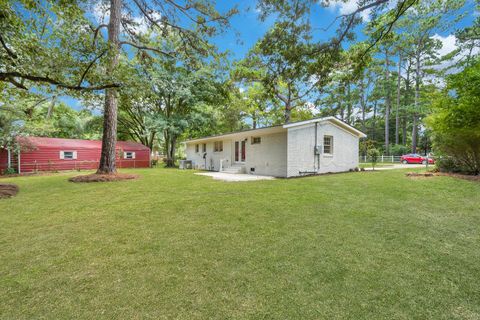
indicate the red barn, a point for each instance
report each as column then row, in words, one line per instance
column 52, row 154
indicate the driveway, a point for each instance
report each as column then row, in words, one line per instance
column 399, row 166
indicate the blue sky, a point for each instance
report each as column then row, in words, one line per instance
column 246, row 28
column 250, row 28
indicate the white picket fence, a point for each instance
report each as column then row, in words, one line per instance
column 381, row 159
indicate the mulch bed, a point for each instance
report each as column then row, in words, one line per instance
column 419, row 174
column 445, row 174
column 8, row 190
column 460, row 176
column 103, row 177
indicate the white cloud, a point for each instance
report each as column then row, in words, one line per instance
column 448, row 43
column 344, row 7
column 101, row 13
column 349, row 7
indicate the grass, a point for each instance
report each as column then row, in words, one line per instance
column 173, row 245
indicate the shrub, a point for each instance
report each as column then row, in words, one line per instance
column 10, row 171
column 450, row 164
column 399, row 150
column 373, row 154
column 455, row 121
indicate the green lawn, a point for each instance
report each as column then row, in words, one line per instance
column 173, row 245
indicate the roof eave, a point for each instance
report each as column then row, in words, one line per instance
column 346, row 126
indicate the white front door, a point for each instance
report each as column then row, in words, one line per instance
column 240, row 151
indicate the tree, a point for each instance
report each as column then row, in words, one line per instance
column 52, row 23
column 386, row 47
column 205, row 20
column 455, row 121
column 166, row 100
column 282, row 61
column 48, row 44
column 419, row 26
column 255, row 100
column 468, row 40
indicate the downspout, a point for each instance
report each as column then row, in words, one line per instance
column 9, row 155
column 315, row 148
column 19, row 166
column 316, row 151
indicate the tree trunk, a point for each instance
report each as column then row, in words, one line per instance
column 363, row 103
column 109, row 139
column 171, row 151
column 407, row 102
column 387, row 105
column 397, row 110
column 417, row 96
column 342, row 111
column 288, row 112
column 166, row 147
column 414, row 133
column 374, row 122
column 51, row 107
column 349, row 104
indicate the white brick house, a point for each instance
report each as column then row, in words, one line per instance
column 307, row 147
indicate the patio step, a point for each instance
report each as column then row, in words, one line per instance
column 234, row 169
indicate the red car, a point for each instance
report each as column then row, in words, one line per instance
column 415, row 158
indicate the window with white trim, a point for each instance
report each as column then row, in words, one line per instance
column 328, row 144
column 68, row 155
column 197, row 148
column 218, row 146
column 129, row 155
column 204, row 147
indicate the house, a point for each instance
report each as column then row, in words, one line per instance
column 307, row 147
column 52, row 154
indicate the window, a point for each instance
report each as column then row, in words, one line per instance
column 256, row 140
column 218, row 146
column 197, row 148
column 328, row 144
column 68, row 155
column 129, row 155
column 204, row 147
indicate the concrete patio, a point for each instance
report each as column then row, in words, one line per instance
column 233, row 177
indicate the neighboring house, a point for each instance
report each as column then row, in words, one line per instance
column 307, row 147
column 51, row 154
